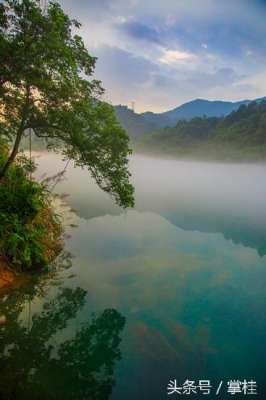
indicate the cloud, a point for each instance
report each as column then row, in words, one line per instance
column 127, row 78
column 138, row 30
column 161, row 53
column 90, row 8
column 123, row 74
column 172, row 57
column 123, row 66
column 194, row 81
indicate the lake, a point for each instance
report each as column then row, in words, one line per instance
column 173, row 289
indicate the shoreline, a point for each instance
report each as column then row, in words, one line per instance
column 8, row 278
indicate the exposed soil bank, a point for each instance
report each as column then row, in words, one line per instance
column 8, row 278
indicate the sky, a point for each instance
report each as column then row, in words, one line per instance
column 162, row 53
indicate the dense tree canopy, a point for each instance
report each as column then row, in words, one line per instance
column 241, row 134
column 46, row 85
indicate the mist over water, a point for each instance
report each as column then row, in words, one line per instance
column 201, row 196
column 180, row 279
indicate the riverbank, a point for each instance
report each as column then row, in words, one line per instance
column 8, row 278
column 30, row 230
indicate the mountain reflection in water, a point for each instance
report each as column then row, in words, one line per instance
column 186, row 268
column 195, row 196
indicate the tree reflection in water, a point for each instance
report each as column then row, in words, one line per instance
column 33, row 366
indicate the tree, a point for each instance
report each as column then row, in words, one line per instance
column 46, row 84
column 36, row 364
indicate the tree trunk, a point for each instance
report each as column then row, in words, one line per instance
column 20, row 132
column 13, row 154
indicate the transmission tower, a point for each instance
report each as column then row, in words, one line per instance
column 133, row 106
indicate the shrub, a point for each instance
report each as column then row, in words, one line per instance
column 30, row 231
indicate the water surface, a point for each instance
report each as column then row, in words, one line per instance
column 174, row 289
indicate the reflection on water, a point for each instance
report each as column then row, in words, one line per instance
column 186, row 269
column 198, row 196
column 38, row 359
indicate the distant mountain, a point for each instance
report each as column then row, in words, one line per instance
column 138, row 125
column 241, row 135
column 195, row 108
column 135, row 124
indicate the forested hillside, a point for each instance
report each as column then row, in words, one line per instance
column 133, row 123
column 240, row 135
column 138, row 125
column 194, row 108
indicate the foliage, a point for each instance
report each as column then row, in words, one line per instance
column 247, row 125
column 240, row 135
column 29, row 231
column 35, row 365
column 44, row 75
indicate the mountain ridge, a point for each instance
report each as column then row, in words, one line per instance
column 239, row 136
column 196, row 108
column 139, row 124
